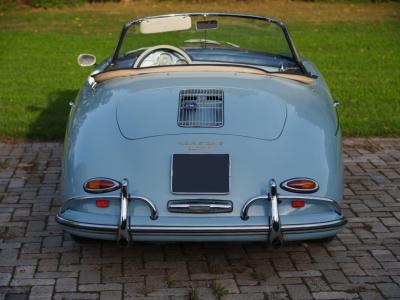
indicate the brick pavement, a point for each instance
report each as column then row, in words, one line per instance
column 39, row 261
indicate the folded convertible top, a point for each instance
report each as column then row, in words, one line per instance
column 108, row 75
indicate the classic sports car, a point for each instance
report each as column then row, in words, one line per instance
column 203, row 127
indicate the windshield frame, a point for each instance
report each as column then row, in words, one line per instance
column 282, row 25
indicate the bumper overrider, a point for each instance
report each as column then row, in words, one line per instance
column 273, row 230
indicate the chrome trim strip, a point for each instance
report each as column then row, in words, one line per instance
column 284, row 186
column 150, row 204
column 315, row 226
column 124, row 237
column 86, row 226
column 200, row 206
column 245, row 209
column 328, row 201
column 222, row 206
column 203, row 230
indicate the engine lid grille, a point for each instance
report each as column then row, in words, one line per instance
column 201, row 108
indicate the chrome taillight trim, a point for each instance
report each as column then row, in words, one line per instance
column 284, row 186
column 117, row 185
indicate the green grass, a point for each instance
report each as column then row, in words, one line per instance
column 39, row 74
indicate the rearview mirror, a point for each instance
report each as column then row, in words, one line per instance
column 86, row 60
column 207, row 24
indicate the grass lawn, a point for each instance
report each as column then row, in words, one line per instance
column 356, row 48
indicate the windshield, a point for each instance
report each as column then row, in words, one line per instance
column 213, row 38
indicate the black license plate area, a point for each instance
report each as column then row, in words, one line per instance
column 200, row 173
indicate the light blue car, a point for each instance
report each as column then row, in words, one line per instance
column 203, row 127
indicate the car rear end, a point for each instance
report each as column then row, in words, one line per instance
column 203, row 156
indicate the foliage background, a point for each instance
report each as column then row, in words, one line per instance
column 356, row 47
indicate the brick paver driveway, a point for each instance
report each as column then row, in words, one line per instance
column 39, row 261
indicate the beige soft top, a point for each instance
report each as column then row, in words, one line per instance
column 188, row 68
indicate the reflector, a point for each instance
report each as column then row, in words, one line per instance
column 102, row 203
column 297, row 203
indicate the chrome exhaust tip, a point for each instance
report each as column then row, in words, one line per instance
column 276, row 243
column 123, row 242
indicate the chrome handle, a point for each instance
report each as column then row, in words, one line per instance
column 244, row 214
column 153, row 208
column 200, row 206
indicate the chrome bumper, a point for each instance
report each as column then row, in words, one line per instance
column 273, row 229
column 275, row 236
column 124, row 236
column 202, row 230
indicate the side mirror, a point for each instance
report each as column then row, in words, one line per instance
column 86, row 60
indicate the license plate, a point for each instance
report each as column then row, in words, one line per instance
column 200, row 174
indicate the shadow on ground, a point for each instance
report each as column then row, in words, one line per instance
column 52, row 120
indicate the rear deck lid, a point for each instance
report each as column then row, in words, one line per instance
column 226, row 111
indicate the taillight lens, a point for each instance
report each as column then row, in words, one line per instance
column 101, row 185
column 300, row 185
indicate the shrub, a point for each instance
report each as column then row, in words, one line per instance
column 53, row 3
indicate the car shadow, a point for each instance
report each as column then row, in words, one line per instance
column 52, row 120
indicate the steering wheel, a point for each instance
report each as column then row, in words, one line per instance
column 166, row 48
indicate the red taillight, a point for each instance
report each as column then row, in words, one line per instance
column 297, row 203
column 300, row 185
column 101, row 185
column 102, row 203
